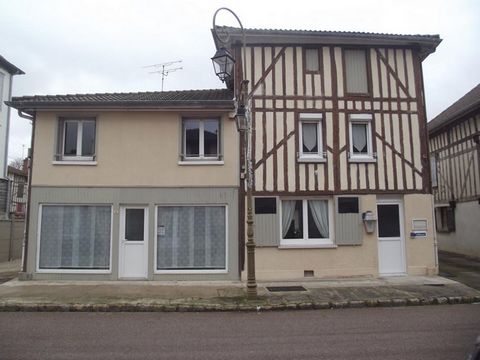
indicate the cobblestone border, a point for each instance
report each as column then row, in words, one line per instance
column 251, row 306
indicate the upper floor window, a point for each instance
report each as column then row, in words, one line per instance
column 310, row 139
column 360, row 137
column 77, row 139
column 201, row 139
column 356, row 71
column 311, row 60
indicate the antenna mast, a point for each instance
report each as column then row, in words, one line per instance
column 164, row 69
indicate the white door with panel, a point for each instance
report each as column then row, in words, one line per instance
column 391, row 242
column 133, row 249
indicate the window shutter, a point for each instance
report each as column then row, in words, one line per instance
column 450, row 219
column 311, row 60
column 266, row 220
column 356, row 71
column 59, row 137
column 348, row 225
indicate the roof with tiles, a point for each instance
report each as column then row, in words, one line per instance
column 426, row 43
column 466, row 104
column 222, row 98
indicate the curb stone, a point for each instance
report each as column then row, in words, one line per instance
column 239, row 307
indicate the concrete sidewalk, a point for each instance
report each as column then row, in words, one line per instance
column 230, row 296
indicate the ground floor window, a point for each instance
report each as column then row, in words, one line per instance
column 191, row 238
column 306, row 222
column 75, row 237
column 445, row 219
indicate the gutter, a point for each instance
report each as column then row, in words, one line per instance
column 29, row 192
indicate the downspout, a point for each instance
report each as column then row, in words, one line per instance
column 29, row 191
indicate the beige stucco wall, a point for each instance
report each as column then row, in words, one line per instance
column 283, row 264
column 134, row 148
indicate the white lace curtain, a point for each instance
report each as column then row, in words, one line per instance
column 288, row 212
column 191, row 237
column 75, row 237
column 309, row 134
column 319, row 210
column 359, row 136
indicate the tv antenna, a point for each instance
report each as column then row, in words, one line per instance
column 164, row 69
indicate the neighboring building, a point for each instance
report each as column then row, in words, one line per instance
column 133, row 185
column 339, row 130
column 455, row 161
column 18, row 189
column 150, row 185
column 7, row 71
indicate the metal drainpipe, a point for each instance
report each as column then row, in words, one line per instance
column 29, row 190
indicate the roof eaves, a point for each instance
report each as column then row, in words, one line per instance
column 12, row 69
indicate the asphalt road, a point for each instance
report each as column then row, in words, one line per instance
column 425, row 332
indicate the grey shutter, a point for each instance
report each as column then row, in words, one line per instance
column 348, row 228
column 356, row 71
column 450, row 219
column 59, row 140
column 267, row 226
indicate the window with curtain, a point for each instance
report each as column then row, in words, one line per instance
column 201, row 139
column 306, row 221
column 360, row 136
column 191, row 238
column 356, row 71
column 75, row 237
column 310, row 142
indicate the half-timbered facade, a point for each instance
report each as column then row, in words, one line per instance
column 339, row 131
column 454, row 137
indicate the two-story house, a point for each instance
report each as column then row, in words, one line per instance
column 151, row 185
column 133, row 186
column 339, row 133
column 455, row 161
column 7, row 72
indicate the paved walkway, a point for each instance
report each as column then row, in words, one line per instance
column 460, row 268
column 224, row 296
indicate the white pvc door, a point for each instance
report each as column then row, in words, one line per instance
column 391, row 244
column 133, row 250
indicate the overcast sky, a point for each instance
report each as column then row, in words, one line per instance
column 102, row 46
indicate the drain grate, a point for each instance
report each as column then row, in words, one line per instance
column 285, row 288
column 433, row 284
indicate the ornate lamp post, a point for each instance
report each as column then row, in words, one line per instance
column 223, row 63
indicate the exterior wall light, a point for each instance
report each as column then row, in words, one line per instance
column 369, row 221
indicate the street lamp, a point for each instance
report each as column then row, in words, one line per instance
column 223, row 64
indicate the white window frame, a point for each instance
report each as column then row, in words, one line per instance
column 190, row 271
column 311, row 118
column 307, row 242
column 71, row 271
column 78, row 156
column 363, row 119
column 201, row 142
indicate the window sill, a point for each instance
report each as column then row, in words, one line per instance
column 73, row 271
column 305, row 159
column 303, row 244
column 192, row 272
column 362, row 160
column 75, row 162
column 201, row 162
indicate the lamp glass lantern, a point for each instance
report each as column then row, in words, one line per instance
column 223, row 63
column 241, row 118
